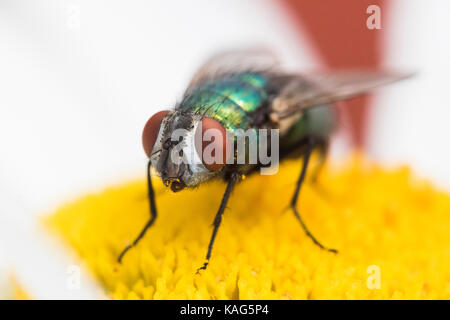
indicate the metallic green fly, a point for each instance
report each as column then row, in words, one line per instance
column 245, row 90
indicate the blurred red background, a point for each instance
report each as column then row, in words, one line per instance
column 334, row 29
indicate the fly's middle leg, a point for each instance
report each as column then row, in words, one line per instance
column 322, row 146
column 310, row 145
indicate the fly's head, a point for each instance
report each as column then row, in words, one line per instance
column 176, row 141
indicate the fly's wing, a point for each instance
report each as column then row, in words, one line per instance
column 253, row 59
column 299, row 92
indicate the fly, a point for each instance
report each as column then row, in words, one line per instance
column 245, row 90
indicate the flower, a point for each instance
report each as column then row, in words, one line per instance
column 392, row 231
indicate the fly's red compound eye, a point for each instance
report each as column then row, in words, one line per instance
column 151, row 131
column 212, row 142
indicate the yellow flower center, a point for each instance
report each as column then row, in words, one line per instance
column 392, row 232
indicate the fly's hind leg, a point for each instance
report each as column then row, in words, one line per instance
column 311, row 144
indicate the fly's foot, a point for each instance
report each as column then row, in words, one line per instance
column 202, row 267
column 119, row 259
column 308, row 233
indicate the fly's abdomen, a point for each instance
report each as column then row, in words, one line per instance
column 319, row 121
column 230, row 99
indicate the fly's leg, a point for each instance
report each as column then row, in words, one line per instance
column 322, row 147
column 218, row 219
column 309, row 148
column 151, row 199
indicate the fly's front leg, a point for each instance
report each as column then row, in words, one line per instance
column 311, row 144
column 151, row 200
column 218, row 218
